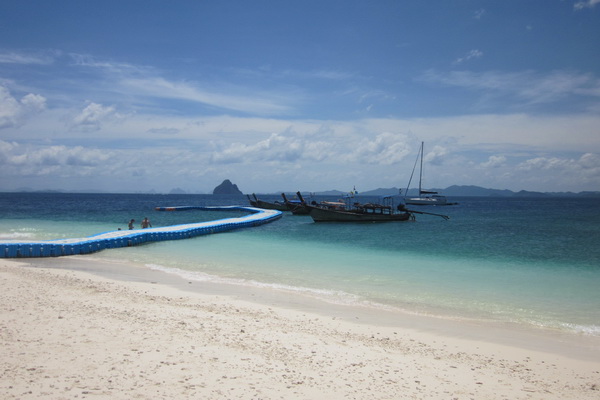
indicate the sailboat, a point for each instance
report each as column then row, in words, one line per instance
column 426, row 197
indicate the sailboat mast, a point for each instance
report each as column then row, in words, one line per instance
column 421, row 169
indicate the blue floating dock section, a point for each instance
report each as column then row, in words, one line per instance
column 116, row 239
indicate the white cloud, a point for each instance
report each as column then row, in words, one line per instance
column 590, row 161
column 25, row 58
column 557, row 85
column 59, row 156
column 163, row 88
column 385, row 149
column 273, row 154
column 6, row 149
column 164, row 131
column 436, row 156
column 324, row 74
column 14, row 112
column 142, row 82
column 543, row 163
column 117, row 68
column 494, row 162
column 470, row 55
column 278, row 148
column 580, row 5
column 34, row 102
column 92, row 116
column 9, row 109
column 565, row 171
column 58, row 162
column 527, row 86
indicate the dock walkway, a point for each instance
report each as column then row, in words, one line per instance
column 127, row 238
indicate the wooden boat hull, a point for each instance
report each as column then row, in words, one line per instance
column 272, row 206
column 295, row 206
column 267, row 205
column 299, row 209
column 319, row 214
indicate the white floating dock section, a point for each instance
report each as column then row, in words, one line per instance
column 115, row 239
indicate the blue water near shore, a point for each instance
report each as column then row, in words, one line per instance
column 530, row 261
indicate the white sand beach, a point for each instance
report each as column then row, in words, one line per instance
column 77, row 334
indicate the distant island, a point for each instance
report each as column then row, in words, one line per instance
column 227, row 188
column 465, row 191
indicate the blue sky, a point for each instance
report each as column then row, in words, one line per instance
column 128, row 96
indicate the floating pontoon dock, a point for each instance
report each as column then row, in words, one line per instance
column 127, row 238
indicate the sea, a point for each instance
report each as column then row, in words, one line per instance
column 534, row 262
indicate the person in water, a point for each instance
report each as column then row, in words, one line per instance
column 131, row 223
column 146, row 223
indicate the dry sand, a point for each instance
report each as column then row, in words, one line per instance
column 71, row 334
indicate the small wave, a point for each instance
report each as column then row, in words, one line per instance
column 336, row 297
column 330, row 296
column 196, row 276
column 16, row 235
column 589, row 330
column 342, row 298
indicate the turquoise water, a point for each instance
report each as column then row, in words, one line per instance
column 529, row 261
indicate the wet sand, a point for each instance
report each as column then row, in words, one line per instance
column 81, row 328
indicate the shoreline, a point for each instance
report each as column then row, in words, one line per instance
column 87, row 327
column 570, row 344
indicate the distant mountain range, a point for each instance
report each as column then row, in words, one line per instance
column 451, row 191
column 465, row 191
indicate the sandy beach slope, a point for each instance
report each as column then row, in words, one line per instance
column 74, row 335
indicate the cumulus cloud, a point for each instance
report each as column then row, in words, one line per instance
column 385, row 149
column 77, row 156
column 543, row 163
column 275, row 148
column 436, row 156
column 34, row 102
column 581, row 173
column 494, row 162
column 585, row 167
column 92, row 116
column 590, row 161
column 6, row 149
column 57, row 163
column 15, row 112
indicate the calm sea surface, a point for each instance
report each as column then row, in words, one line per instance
column 532, row 261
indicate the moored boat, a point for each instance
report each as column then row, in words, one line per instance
column 360, row 213
column 426, row 197
column 267, row 205
column 297, row 207
column 433, row 200
column 340, row 211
